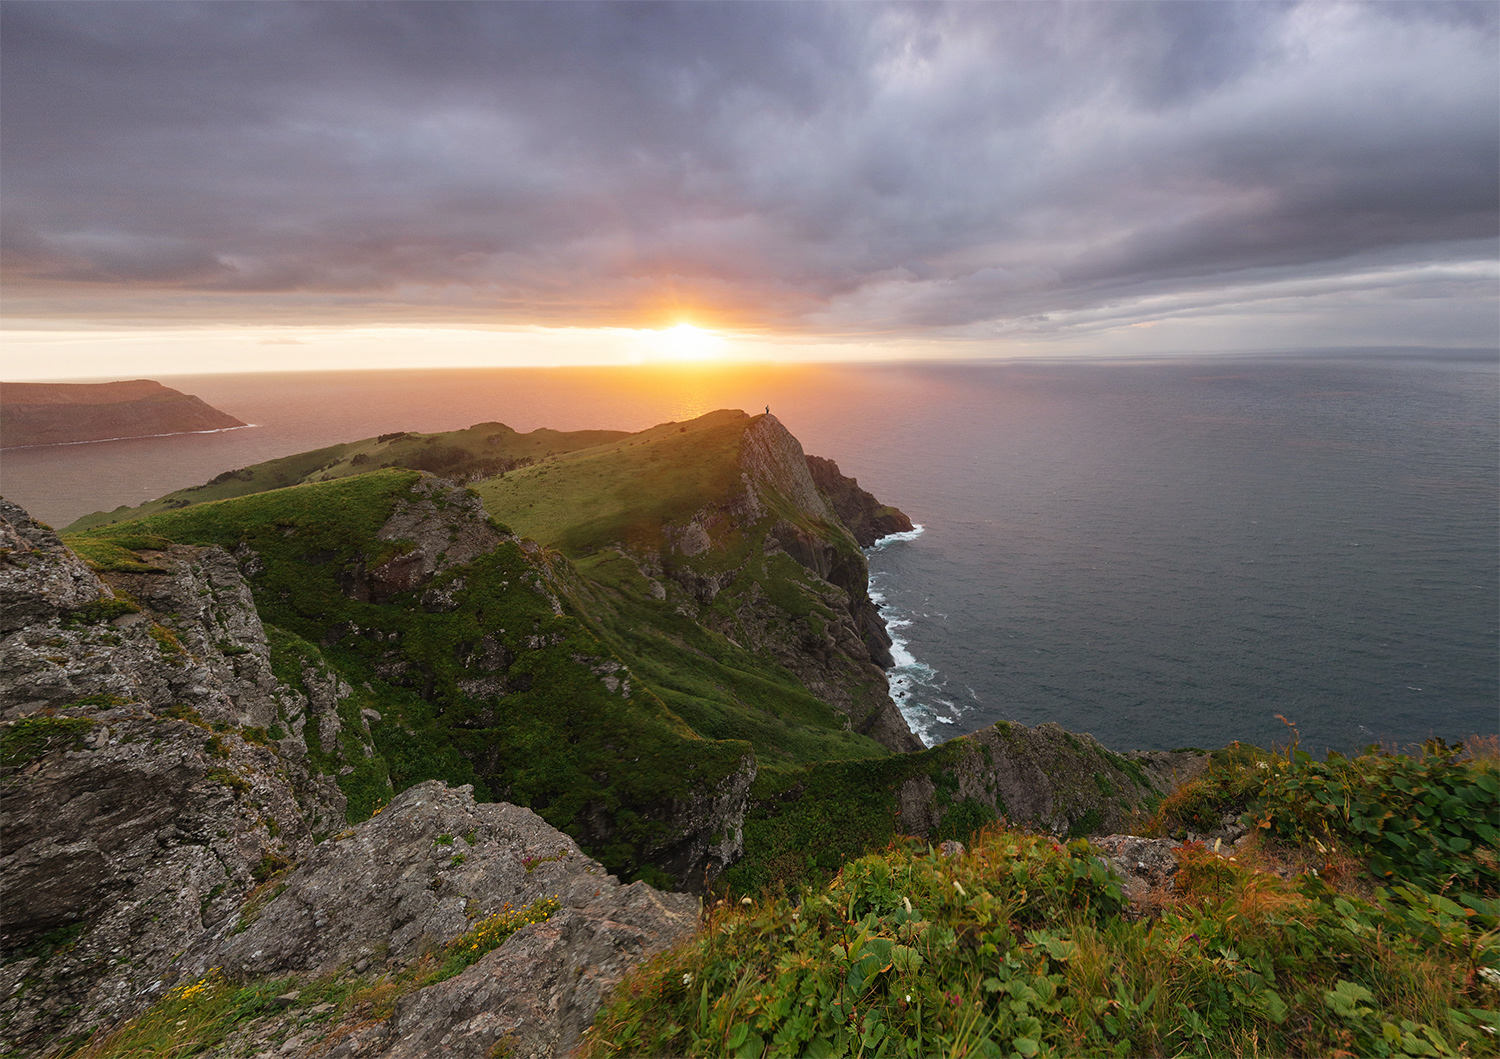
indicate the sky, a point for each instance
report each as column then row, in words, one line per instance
column 232, row 186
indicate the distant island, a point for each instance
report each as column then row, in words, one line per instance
column 54, row 413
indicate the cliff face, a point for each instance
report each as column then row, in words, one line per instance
column 867, row 518
column 61, row 413
column 171, row 805
column 141, row 790
column 841, row 660
column 718, row 521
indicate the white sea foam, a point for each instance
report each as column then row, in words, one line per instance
column 896, row 538
column 913, row 684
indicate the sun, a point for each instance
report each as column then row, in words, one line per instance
column 685, row 342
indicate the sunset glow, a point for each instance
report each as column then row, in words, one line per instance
column 522, row 184
column 686, row 342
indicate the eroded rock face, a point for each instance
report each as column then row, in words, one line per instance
column 441, row 526
column 162, row 817
column 867, row 518
column 39, row 577
column 1144, row 865
column 1064, row 782
column 422, row 873
column 123, row 850
column 403, row 882
column 140, row 793
column 771, row 456
column 535, row 995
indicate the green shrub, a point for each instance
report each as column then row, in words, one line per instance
column 1020, row 947
column 1431, row 820
column 23, row 741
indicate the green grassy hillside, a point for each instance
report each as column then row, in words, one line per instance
column 479, row 674
column 482, row 450
column 624, row 490
column 686, row 577
column 664, row 639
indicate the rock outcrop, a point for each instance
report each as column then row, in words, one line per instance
column 141, row 793
column 1060, row 781
column 424, row 872
column 165, row 818
column 842, row 661
column 867, row 518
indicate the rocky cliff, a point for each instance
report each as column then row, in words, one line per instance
column 867, row 518
column 34, row 413
column 171, row 811
column 143, row 791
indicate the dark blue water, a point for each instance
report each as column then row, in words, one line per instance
column 1163, row 553
column 1171, row 554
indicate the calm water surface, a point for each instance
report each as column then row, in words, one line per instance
column 1163, row 553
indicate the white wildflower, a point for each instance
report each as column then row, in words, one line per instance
column 1490, row 975
column 957, row 886
column 907, row 902
column 687, row 979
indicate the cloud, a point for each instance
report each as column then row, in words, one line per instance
column 829, row 168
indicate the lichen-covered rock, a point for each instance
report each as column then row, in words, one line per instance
column 403, row 882
column 422, row 873
column 439, row 526
column 1144, row 865
column 533, row 997
column 163, row 813
column 141, row 792
column 125, row 845
column 39, row 577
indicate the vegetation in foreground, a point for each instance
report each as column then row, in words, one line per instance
column 1023, row 946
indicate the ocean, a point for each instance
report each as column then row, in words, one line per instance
column 1164, row 553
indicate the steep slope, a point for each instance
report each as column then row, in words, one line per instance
column 804, row 821
column 717, row 521
column 152, row 770
column 34, row 413
column 457, row 643
column 867, row 518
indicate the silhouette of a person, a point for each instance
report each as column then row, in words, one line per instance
column 768, row 409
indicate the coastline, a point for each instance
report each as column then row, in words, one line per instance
column 907, row 673
column 126, row 437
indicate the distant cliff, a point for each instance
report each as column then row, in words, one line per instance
column 38, row 413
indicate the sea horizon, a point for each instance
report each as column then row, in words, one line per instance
column 1037, row 537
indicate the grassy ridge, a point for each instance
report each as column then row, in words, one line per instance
column 624, row 491
column 481, row 450
column 555, row 737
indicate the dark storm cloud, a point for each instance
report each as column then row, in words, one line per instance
column 840, row 167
